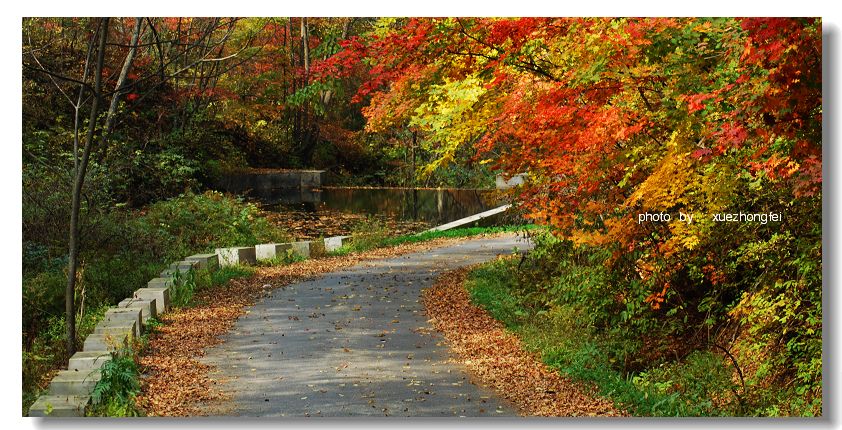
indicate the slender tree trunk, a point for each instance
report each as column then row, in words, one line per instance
column 305, row 111
column 78, row 182
column 305, row 41
column 297, row 115
column 414, row 142
column 118, row 90
column 327, row 94
column 81, row 167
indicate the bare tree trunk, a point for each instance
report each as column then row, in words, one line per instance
column 118, row 90
column 308, row 139
column 296, row 120
column 78, row 181
column 305, row 40
column 327, row 94
column 414, row 143
column 81, row 167
column 305, row 59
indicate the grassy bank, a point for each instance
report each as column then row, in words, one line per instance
column 558, row 315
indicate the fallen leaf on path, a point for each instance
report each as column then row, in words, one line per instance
column 175, row 382
column 498, row 358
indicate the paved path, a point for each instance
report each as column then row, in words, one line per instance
column 354, row 342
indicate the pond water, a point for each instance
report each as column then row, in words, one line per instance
column 334, row 210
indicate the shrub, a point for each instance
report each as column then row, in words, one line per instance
column 200, row 222
column 43, row 296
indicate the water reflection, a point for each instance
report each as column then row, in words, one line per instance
column 435, row 206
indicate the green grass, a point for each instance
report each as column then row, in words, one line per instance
column 360, row 246
column 288, row 257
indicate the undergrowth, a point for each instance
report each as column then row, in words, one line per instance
column 568, row 337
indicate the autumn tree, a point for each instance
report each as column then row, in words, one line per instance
column 612, row 118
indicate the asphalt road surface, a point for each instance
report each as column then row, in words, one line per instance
column 354, row 342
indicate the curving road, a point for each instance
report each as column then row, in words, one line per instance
column 354, row 342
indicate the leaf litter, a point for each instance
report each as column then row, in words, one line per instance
column 498, row 359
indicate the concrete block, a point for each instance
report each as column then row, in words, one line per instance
column 317, row 249
column 268, row 251
column 311, row 178
column 162, row 282
column 185, row 265
column 236, row 255
column 301, row 249
column 180, row 267
column 160, row 295
column 167, row 273
column 147, row 307
column 117, row 316
column 261, row 181
column 59, row 406
column 334, row 243
column 170, row 273
column 105, row 342
column 206, row 261
column 310, row 195
column 74, row 382
column 118, row 329
column 88, row 360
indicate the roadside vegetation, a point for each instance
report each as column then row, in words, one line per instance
column 581, row 319
column 126, row 249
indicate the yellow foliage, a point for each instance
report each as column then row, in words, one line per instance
column 452, row 115
column 665, row 187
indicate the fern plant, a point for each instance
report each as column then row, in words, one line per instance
column 114, row 394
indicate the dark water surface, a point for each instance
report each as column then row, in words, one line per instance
column 434, row 206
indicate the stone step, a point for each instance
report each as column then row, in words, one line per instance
column 206, row 261
column 180, row 267
column 164, row 281
column 268, row 251
column 147, row 307
column 88, row 360
column 121, row 315
column 105, row 342
column 116, row 328
column 161, row 296
column 170, row 273
column 185, row 265
column 236, row 255
column 301, row 249
column 335, row 242
column 59, row 406
column 75, row 382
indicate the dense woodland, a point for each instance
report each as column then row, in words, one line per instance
column 128, row 122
